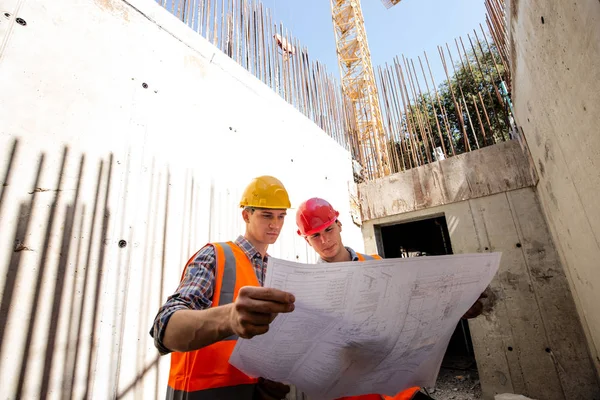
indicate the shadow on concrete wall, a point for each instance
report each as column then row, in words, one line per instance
column 76, row 286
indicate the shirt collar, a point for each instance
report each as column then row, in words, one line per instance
column 353, row 256
column 249, row 249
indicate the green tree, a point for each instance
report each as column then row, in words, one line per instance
column 468, row 112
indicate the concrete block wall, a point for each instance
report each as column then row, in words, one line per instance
column 529, row 340
column 555, row 64
column 125, row 142
column 493, row 169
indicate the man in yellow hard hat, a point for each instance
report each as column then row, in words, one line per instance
column 220, row 298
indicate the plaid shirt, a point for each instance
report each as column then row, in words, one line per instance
column 195, row 291
column 353, row 256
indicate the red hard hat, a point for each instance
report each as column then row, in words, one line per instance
column 314, row 215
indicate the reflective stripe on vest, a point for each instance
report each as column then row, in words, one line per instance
column 226, row 294
column 206, row 373
column 366, row 257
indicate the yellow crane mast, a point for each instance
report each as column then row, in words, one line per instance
column 358, row 86
column 390, row 3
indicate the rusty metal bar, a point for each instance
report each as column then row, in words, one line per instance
column 246, row 32
column 489, row 49
column 385, row 101
column 437, row 122
column 423, row 103
column 460, row 87
column 470, row 122
column 442, row 109
column 409, row 118
column 489, row 95
column 503, row 58
column 499, row 96
column 479, row 120
column 456, row 105
column 417, row 114
column 398, row 116
column 481, row 69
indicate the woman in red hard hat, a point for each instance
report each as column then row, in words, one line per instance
column 318, row 223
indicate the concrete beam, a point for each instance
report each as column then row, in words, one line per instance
column 493, row 169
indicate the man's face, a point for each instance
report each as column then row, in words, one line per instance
column 264, row 224
column 327, row 242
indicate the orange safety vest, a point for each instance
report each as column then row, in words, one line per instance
column 206, row 374
column 406, row 394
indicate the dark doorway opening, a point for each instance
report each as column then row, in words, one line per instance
column 430, row 237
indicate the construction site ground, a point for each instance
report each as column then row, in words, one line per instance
column 458, row 380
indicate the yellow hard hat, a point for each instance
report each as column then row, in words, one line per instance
column 265, row 192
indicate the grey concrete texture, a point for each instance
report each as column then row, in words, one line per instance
column 529, row 339
column 555, row 64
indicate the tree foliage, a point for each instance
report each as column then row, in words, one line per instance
column 467, row 112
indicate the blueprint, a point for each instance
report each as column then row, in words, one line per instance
column 377, row 326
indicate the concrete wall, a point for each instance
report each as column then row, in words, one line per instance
column 90, row 157
column 555, row 64
column 493, row 169
column 529, row 340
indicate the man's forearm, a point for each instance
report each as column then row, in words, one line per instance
column 189, row 330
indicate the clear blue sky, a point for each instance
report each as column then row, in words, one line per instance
column 407, row 28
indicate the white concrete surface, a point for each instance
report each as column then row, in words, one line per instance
column 555, row 64
column 160, row 167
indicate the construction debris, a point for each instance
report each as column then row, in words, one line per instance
column 457, row 385
column 510, row 396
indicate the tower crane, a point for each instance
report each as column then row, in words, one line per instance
column 358, row 85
